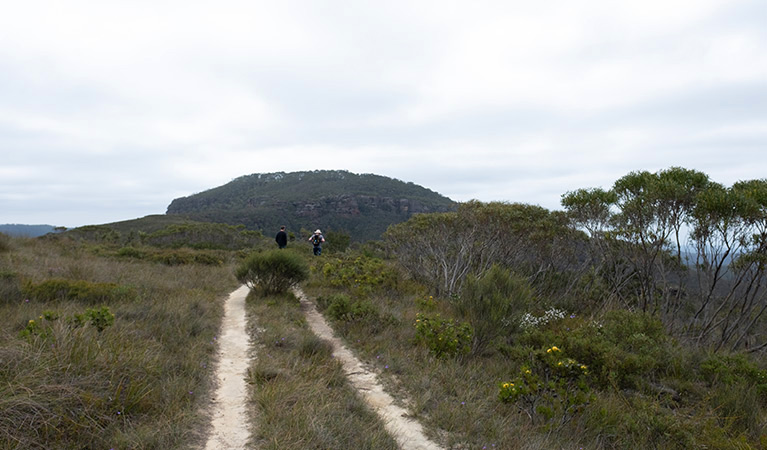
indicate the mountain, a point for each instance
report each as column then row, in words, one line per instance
column 13, row 229
column 362, row 205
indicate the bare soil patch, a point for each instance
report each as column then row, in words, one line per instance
column 230, row 420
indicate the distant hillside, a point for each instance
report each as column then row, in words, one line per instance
column 361, row 205
column 13, row 229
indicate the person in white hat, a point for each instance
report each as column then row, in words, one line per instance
column 317, row 239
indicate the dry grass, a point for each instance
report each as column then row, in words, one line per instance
column 141, row 383
column 300, row 394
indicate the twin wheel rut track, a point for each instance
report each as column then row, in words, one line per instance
column 230, row 424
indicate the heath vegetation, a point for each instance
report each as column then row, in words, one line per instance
column 634, row 318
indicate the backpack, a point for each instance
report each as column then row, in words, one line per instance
column 316, row 239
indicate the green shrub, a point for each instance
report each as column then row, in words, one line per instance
column 492, row 305
column 100, row 319
column 553, row 386
column 5, row 243
column 78, row 290
column 177, row 257
column 10, row 287
column 444, row 337
column 621, row 350
column 274, row 272
column 362, row 276
column 336, row 241
column 131, row 252
column 341, row 307
column 729, row 369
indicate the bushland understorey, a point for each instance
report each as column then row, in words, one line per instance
column 634, row 318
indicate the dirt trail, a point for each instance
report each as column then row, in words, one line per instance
column 230, row 420
column 408, row 433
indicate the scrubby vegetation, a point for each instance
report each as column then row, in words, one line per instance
column 596, row 327
column 633, row 319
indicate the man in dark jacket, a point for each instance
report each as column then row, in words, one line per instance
column 281, row 238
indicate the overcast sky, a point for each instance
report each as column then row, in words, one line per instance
column 111, row 109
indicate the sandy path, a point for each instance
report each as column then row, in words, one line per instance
column 408, row 433
column 230, row 422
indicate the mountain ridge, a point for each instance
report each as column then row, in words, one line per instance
column 363, row 205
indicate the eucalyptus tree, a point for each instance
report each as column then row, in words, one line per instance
column 442, row 249
column 730, row 237
column 635, row 231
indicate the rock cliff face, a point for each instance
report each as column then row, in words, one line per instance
column 353, row 206
column 361, row 205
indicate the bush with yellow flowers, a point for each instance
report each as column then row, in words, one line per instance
column 553, row 387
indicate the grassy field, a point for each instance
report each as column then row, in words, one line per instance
column 71, row 377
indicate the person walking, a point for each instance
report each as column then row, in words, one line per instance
column 317, row 239
column 281, row 238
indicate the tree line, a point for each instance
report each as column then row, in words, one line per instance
column 672, row 243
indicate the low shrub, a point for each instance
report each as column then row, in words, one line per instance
column 552, row 387
column 78, row 290
column 99, row 318
column 177, row 257
column 492, row 304
column 5, row 243
column 444, row 337
column 343, row 308
column 274, row 272
column 131, row 252
column 362, row 276
column 621, row 349
column 10, row 286
column 720, row 369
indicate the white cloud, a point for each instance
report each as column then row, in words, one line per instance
column 110, row 108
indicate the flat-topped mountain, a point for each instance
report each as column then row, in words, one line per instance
column 363, row 205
